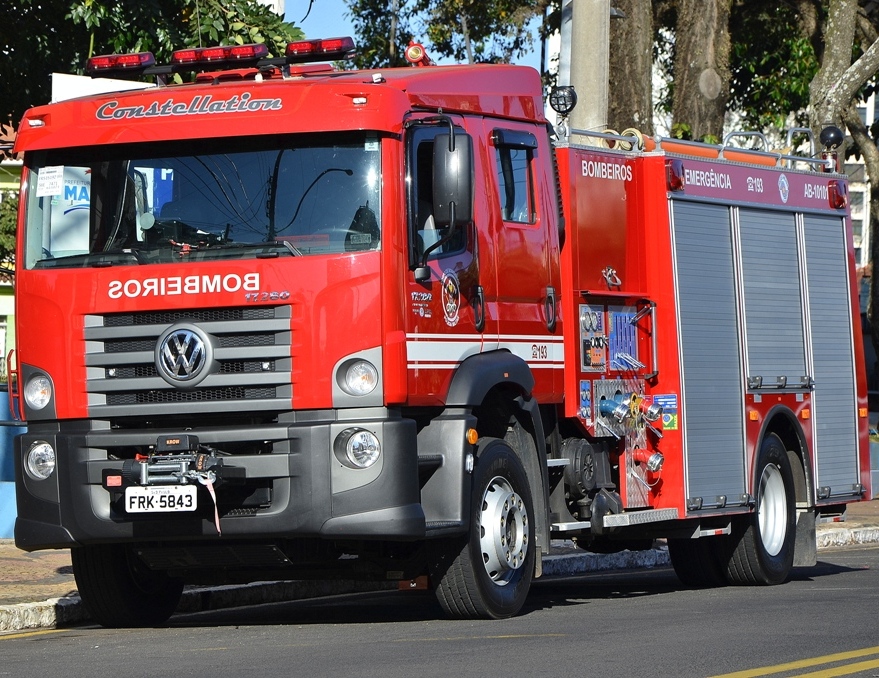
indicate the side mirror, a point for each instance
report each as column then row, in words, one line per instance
column 452, row 180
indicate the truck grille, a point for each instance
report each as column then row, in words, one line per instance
column 251, row 346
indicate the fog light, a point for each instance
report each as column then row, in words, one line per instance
column 38, row 391
column 357, row 448
column 40, row 460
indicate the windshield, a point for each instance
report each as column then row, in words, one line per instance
column 229, row 198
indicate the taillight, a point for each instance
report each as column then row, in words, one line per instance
column 837, row 194
column 319, row 50
column 119, row 63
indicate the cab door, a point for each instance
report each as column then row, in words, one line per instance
column 523, row 223
column 446, row 315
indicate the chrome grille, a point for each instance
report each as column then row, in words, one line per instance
column 251, row 348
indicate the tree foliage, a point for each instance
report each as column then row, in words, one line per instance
column 38, row 37
column 8, row 223
column 461, row 30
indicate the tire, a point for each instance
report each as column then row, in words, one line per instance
column 118, row 590
column 697, row 562
column 491, row 573
column 763, row 550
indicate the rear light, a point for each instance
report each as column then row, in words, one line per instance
column 224, row 54
column 838, row 194
column 674, row 174
column 319, row 50
column 116, row 63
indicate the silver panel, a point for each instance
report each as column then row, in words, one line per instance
column 772, row 300
column 830, row 315
column 640, row 517
column 712, row 415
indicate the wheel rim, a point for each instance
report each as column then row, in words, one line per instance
column 503, row 531
column 772, row 511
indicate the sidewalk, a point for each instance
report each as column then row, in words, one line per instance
column 37, row 590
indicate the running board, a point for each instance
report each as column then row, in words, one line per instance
column 621, row 520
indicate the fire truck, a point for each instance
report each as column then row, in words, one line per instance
column 284, row 321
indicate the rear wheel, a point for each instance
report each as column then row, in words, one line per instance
column 764, row 545
column 119, row 590
column 490, row 575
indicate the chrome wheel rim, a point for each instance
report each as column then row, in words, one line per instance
column 503, row 531
column 772, row 511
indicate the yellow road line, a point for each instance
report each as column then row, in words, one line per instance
column 844, row 670
column 807, row 663
column 28, row 634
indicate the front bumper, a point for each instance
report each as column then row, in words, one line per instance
column 293, row 487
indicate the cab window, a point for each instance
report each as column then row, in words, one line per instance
column 514, row 152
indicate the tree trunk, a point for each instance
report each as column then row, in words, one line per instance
column 829, row 93
column 701, row 66
column 630, row 94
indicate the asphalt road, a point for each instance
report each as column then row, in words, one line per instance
column 620, row 624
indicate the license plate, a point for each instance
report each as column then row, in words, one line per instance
column 160, row 499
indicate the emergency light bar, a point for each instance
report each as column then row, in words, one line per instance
column 219, row 58
column 319, row 50
column 113, row 64
column 224, row 54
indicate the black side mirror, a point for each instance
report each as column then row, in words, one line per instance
column 452, row 180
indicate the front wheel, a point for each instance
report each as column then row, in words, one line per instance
column 764, row 547
column 490, row 576
column 118, row 590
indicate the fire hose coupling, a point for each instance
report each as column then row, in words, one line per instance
column 652, row 460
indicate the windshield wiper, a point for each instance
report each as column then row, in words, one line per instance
column 94, row 259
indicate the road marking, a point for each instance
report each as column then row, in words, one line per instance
column 502, row 637
column 28, row 634
column 815, row 661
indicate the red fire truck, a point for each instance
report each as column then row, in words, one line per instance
column 285, row 321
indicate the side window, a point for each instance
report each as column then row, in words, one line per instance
column 514, row 153
column 422, row 229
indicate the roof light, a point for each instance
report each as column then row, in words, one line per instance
column 220, row 54
column 417, row 55
column 115, row 63
column 319, row 50
column 563, row 99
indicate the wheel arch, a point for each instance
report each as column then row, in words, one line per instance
column 784, row 423
column 497, row 387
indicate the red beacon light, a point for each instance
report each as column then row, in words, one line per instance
column 324, row 49
column 115, row 64
column 416, row 55
column 674, row 175
column 224, row 54
column 837, row 194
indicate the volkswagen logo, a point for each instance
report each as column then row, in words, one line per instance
column 183, row 354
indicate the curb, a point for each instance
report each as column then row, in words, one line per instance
column 57, row 612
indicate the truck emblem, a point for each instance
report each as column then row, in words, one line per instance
column 451, row 297
column 783, row 188
column 182, row 356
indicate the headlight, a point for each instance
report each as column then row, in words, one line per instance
column 39, row 462
column 357, row 448
column 38, row 392
column 360, row 378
